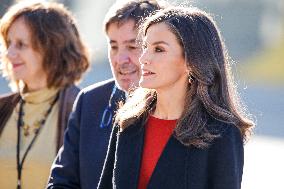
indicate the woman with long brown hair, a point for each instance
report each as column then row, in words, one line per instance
column 184, row 127
column 43, row 57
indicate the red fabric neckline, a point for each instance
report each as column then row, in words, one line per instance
column 157, row 134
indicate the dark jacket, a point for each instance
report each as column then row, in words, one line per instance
column 66, row 99
column 80, row 161
column 179, row 167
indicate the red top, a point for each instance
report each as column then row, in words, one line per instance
column 157, row 134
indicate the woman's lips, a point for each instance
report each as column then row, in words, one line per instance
column 147, row 73
column 17, row 65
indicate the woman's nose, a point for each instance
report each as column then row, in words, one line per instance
column 11, row 52
column 144, row 58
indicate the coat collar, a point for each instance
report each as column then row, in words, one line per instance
column 129, row 156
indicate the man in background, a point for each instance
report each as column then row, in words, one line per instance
column 80, row 161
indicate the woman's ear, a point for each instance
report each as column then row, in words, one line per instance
column 188, row 70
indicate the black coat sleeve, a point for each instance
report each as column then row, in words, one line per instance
column 226, row 159
column 106, row 180
column 65, row 169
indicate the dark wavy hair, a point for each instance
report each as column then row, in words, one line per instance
column 136, row 10
column 212, row 92
column 55, row 36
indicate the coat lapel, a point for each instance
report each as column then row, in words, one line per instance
column 171, row 166
column 172, row 170
column 173, row 162
column 128, row 157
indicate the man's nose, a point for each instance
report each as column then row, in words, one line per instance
column 123, row 57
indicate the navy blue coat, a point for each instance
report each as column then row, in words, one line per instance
column 219, row 166
column 80, row 161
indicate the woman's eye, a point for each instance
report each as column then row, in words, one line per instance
column 20, row 45
column 158, row 49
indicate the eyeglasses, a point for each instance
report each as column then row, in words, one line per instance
column 108, row 114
